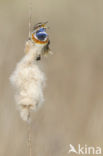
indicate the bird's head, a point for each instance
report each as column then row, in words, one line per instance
column 39, row 34
column 41, row 38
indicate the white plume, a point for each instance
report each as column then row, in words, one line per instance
column 28, row 81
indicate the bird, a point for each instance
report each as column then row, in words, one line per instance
column 27, row 78
column 39, row 36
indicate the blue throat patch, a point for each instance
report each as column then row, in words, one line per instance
column 41, row 34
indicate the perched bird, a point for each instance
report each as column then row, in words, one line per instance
column 39, row 36
column 27, row 79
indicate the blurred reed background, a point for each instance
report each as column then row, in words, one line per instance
column 73, row 107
